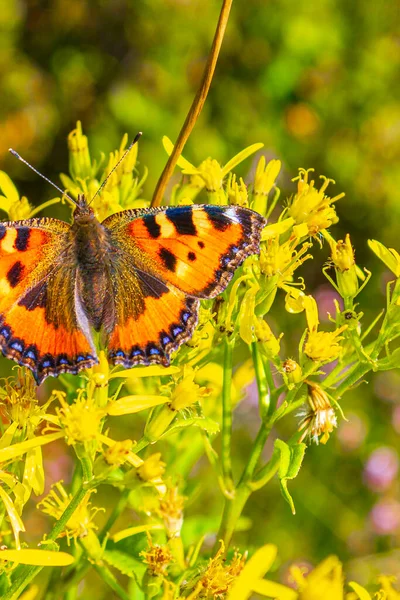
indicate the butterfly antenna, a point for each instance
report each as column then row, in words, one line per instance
column 41, row 175
column 125, row 154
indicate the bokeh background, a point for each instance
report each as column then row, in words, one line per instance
column 318, row 83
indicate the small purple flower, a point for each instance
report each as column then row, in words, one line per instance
column 385, row 517
column 381, row 469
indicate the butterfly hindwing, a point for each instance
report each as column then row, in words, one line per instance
column 166, row 320
column 195, row 248
column 40, row 327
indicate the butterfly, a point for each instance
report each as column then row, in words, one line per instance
column 136, row 278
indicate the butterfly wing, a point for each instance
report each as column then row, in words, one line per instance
column 178, row 254
column 42, row 325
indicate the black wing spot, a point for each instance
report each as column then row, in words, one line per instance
column 182, row 219
column 191, row 256
column 15, row 274
column 22, row 239
column 217, row 217
column 153, row 228
column 168, row 259
column 200, row 244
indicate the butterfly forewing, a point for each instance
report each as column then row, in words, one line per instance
column 195, row 248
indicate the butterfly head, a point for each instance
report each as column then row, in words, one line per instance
column 83, row 211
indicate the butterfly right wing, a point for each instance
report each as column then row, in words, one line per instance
column 42, row 325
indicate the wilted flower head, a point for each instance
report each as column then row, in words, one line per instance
column 157, row 558
column 171, row 511
column 319, row 417
column 218, row 576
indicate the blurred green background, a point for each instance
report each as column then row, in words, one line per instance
column 316, row 82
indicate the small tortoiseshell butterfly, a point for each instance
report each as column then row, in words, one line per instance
column 137, row 277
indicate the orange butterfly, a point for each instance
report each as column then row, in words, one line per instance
column 136, row 277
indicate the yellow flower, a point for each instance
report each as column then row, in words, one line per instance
column 264, row 181
column 278, row 263
column 321, row 346
column 282, row 260
column 152, row 468
column 312, row 206
column 118, row 453
column 265, row 176
column 347, row 272
column 237, row 192
column 319, row 418
column 81, row 522
column 180, row 395
column 18, row 208
column 210, row 172
column 19, row 402
column 81, row 420
column 251, row 578
column 325, row 581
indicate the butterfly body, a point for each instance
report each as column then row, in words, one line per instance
column 136, row 278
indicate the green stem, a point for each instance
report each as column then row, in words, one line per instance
column 232, row 511
column 110, row 580
column 261, row 380
column 353, row 378
column 258, row 447
column 266, row 473
column 226, row 434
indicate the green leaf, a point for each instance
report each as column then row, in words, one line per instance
column 208, row 425
column 291, row 458
column 126, row 564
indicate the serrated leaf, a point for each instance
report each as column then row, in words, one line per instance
column 208, row 425
column 126, row 564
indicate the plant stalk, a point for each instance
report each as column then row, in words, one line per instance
column 197, row 104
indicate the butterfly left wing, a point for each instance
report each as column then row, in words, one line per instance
column 175, row 255
column 42, row 325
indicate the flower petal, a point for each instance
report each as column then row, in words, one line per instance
column 151, row 371
column 240, row 157
column 43, row 558
column 133, row 404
